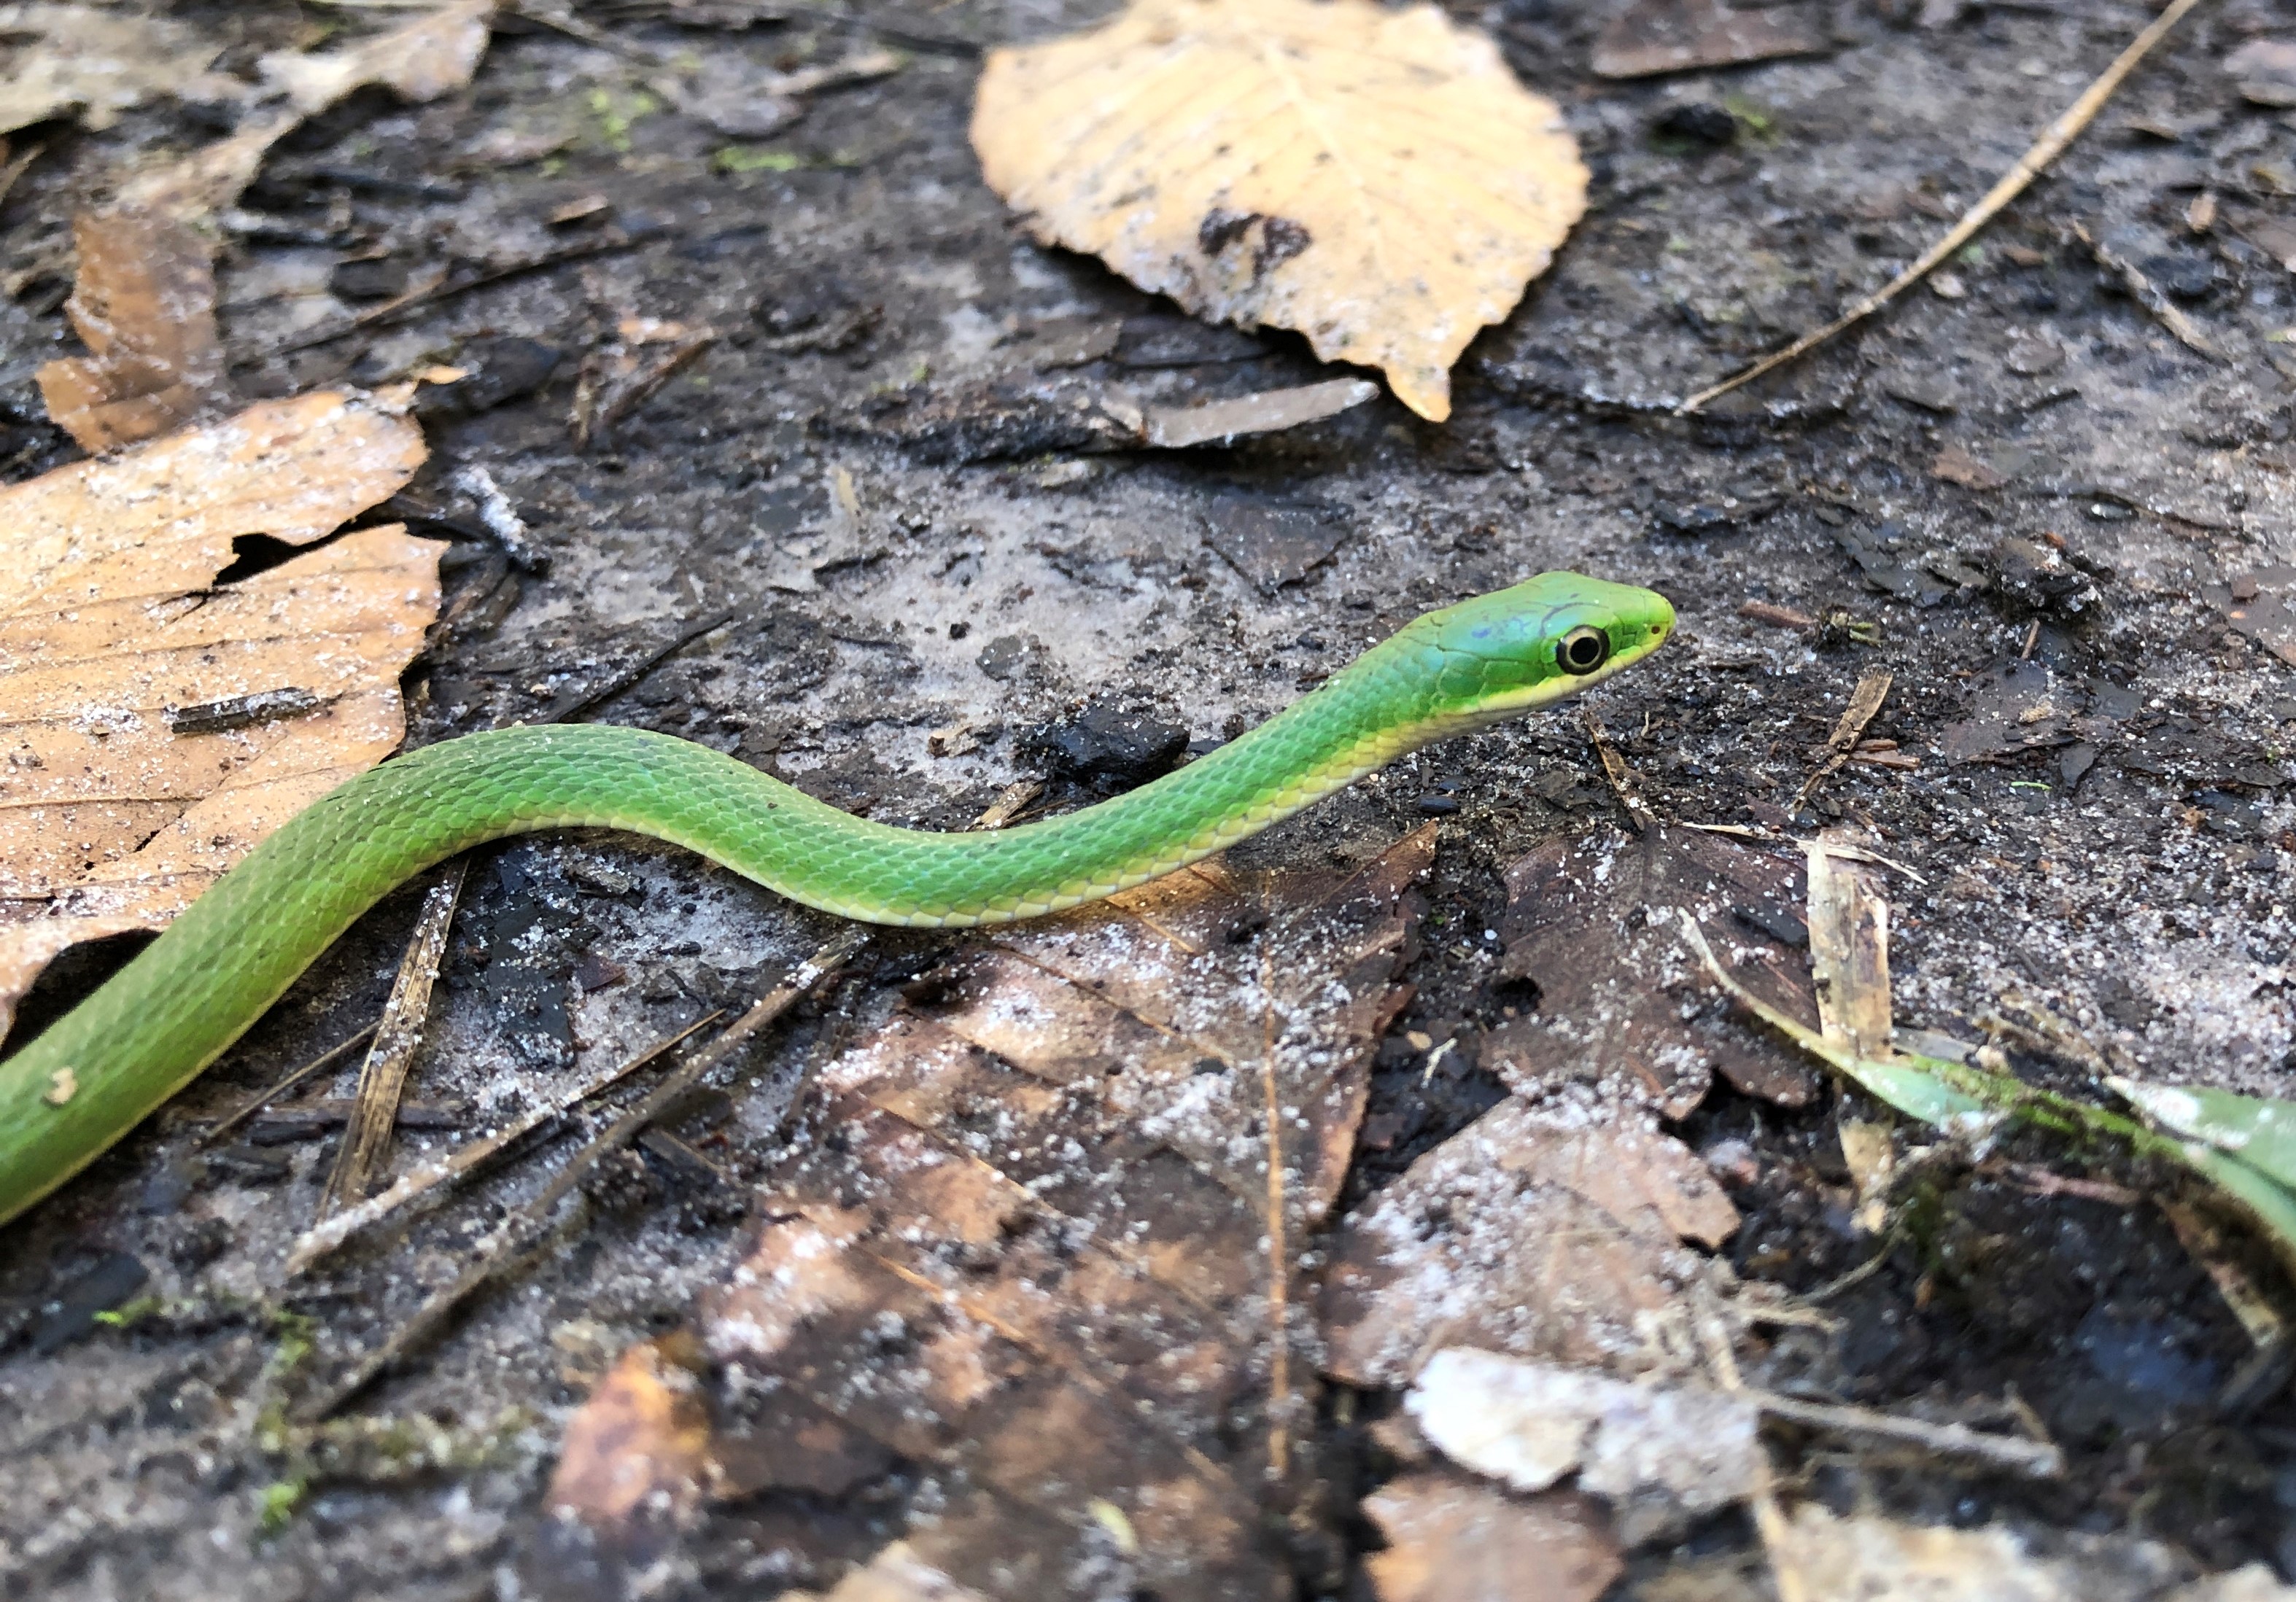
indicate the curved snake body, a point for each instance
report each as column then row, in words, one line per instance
column 184, row 999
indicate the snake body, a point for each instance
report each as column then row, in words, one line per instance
column 91, row 1076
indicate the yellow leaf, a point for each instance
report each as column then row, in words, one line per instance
column 155, row 725
column 1375, row 179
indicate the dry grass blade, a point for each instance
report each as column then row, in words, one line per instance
column 117, row 806
column 2047, row 149
column 1615, row 772
column 1865, row 704
column 1376, row 179
column 366, row 1140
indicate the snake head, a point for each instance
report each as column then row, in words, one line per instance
column 1540, row 641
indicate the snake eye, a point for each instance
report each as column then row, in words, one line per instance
column 1582, row 650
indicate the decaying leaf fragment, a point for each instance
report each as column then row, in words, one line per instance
column 1588, row 931
column 144, row 304
column 1023, row 1240
column 431, row 55
column 1550, row 1232
column 428, row 55
column 1869, row 1557
column 1661, row 1455
column 1375, row 179
column 110, row 819
column 1450, row 1539
column 99, row 61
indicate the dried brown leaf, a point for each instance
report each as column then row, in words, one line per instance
column 1451, row 1538
column 110, row 819
column 431, row 54
column 144, row 304
column 893, row 1576
column 1376, row 179
column 640, row 1445
column 209, row 178
column 1021, row 1236
column 1551, row 1232
column 100, row 60
column 1587, row 931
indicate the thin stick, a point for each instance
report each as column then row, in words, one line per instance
column 573, row 703
column 432, row 294
column 382, row 1080
column 279, row 1087
column 1769, row 1518
column 523, row 1232
column 1865, row 702
column 2043, row 1459
column 1279, row 1356
column 1615, row 772
column 2047, row 149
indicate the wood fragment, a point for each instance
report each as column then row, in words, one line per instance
column 1011, row 802
column 2147, row 294
column 1616, row 771
column 366, row 1141
column 1850, row 954
column 1865, row 702
column 2045, row 149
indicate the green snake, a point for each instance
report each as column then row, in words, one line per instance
column 181, row 1001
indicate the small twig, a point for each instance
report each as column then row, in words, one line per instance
column 366, row 1140
column 2043, row 1459
column 272, row 1092
column 1279, row 1355
column 1769, row 1518
column 1615, row 771
column 2045, row 149
column 323, row 1237
column 444, row 290
column 523, row 1232
column 1777, row 616
column 1865, row 702
column 572, row 704
column 1011, row 802
column 2147, row 294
